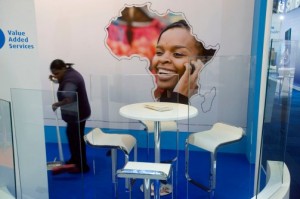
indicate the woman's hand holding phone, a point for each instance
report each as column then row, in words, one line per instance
column 187, row 85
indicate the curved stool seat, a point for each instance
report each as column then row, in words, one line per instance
column 124, row 142
column 98, row 138
column 220, row 134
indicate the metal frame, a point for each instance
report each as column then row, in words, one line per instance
column 213, row 168
column 212, row 179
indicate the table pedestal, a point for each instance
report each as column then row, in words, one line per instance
column 141, row 111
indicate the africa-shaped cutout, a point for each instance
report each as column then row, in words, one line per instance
column 176, row 57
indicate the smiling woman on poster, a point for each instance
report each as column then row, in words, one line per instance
column 175, row 56
column 177, row 73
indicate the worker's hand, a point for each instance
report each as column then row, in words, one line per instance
column 53, row 78
column 55, row 106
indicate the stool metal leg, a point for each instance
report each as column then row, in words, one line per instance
column 135, row 153
column 157, row 157
column 113, row 164
column 147, row 189
column 157, row 141
column 187, row 160
column 114, row 168
column 148, row 145
column 127, row 181
column 176, row 159
column 213, row 168
column 156, row 189
column 187, row 175
column 172, row 183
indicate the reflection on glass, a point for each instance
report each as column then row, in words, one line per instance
column 110, row 94
column 7, row 167
column 37, row 143
column 222, row 96
column 63, row 139
column 280, row 84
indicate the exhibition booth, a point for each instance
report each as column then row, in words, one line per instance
column 142, row 141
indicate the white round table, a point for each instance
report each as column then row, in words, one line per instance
column 164, row 111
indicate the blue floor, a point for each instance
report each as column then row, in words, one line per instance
column 234, row 176
column 292, row 157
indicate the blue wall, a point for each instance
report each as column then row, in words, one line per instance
column 259, row 19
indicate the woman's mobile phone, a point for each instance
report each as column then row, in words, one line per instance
column 192, row 68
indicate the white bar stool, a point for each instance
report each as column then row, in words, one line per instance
column 146, row 171
column 124, row 142
column 220, row 134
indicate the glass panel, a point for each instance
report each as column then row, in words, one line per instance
column 30, row 149
column 218, row 99
column 65, row 146
column 7, row 167
column 280, row 83
column 42, row 169
column 123, row 90
column 219, row 89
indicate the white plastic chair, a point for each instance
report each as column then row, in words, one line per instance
column 220, row 134
column 124, row 142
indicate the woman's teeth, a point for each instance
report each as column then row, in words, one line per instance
column 163, row 71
